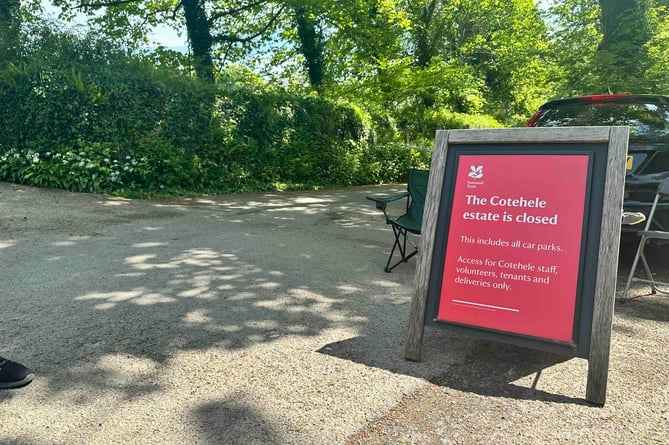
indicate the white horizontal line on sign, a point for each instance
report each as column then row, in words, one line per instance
column 471, row 303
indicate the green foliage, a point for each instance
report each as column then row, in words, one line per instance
column 293, row 139
column 391, row 161
column 411, row 58
column 657, row 73
column 81, row 171
column 445, row 119
column 71, row 89
column 85, row 116
column 82, row 112
column 624, row 52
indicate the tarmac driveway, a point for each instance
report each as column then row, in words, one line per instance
column 249, row 319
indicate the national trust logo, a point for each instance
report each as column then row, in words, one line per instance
column 475, row 175
column 475, row 171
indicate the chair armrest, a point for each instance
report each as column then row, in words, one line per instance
column 654, row 234
column 382, row 201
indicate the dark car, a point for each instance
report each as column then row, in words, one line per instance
column 648, row 153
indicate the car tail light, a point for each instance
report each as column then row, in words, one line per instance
column 605, row 96
column 533, row 119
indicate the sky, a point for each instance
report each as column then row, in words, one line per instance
column 162, row 35
column 168, row 37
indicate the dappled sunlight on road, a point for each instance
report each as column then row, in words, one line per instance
column 138, row 296
column 267, row 316
column 140, row 245
column 114, row 202
column 164, row 308
column 205, row 290
column 287, row 207
column 387, row 283
column 71, row 241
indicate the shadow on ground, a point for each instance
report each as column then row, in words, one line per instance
column 225, row 421
column 490, row 368
column 112, row 302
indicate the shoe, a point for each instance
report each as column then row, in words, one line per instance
column 632, row 218
column 14, row 375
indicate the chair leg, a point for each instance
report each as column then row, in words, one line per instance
column 641, row 255
column 398, row 232
column 401, row 245
column 635, row 263
column 651, row 280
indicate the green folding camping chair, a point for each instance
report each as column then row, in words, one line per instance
column 408, row 222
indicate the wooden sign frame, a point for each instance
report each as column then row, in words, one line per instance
column 607, row 148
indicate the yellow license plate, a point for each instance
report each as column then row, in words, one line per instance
column 630, row 161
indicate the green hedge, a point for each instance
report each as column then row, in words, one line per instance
column 283, row 138
column 81, row 114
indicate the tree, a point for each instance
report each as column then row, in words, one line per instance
column 610, row 45
column 625, row 25
column 430, row 25
column 620, row 56
column 657, row 74
column 208, row 23
column 311, row 46
column 492, row 46
column 10, row 22
column 9, row 13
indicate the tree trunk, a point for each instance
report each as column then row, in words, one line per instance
column 424, row 40
column 9, row 10
column 199, row 38
column 624, row 22
column 310, row 48
column 9, row 30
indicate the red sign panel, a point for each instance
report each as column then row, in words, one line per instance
column 514, row 244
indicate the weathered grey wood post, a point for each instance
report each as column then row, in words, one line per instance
column 413, row 349
column 609, row 244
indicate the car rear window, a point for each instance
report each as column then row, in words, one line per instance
column 658, row 163
column 647, row 121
